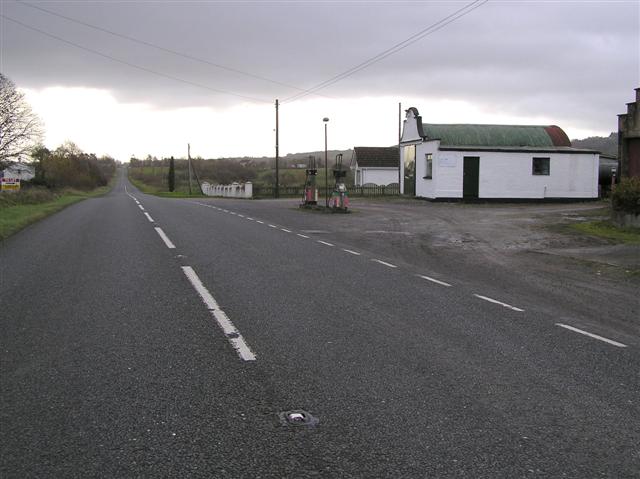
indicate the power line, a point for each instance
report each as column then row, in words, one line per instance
column 133, row 65
column 161, row 48
column 434, row 27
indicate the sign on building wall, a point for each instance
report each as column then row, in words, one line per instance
column 10, row 184
column 447, row 162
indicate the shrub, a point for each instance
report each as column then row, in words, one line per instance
column 626, row 196
column 26, row 196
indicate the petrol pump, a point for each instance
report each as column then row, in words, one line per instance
column 339, row 201
column 310, row 196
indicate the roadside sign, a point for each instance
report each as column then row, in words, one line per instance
column 9, row 184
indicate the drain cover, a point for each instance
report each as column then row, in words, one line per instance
column 297, row 417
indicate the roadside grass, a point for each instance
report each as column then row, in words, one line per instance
column 607, row 230
column 14, row 217
column 154, row 190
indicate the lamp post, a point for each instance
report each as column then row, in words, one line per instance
column 326, row 167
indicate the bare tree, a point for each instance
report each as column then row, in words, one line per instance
column 20, row 127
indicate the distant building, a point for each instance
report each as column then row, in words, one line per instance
column 493, row 161
column 375, row 165
column 19, row 171
column 629, row 139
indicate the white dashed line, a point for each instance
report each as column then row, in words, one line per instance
column 261, row 222
column 508, row 306
column 272, row 226
column 232, row 334
column 433, row 280
column 302, row 236
column 226, row 211
column 241, row 216
column 164, row 237
column 324, row 242
column 250, row 219
column 591, row 335
column 141, row 207
column 285, row 230
column 384, row 263
column 148, row 217
column 351, row 251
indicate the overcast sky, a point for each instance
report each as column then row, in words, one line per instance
column 570, row 63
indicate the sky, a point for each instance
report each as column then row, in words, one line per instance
column 131, row 78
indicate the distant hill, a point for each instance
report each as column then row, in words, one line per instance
column 604, row 144
column 298, row 158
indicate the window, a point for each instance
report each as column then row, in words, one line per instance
column 541, row 166
column 428, row 161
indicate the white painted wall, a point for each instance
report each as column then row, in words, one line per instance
column 377, row 176
column 508, row 175
column 235, row 190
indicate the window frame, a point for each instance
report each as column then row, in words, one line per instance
column 428, row 161
column 543, row 171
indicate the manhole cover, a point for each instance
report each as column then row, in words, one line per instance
column 297, row 417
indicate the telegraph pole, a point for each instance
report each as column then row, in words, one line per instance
column 399, row 140
column 189, row 164
column 277, row 190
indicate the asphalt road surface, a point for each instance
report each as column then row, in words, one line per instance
column 151, row 337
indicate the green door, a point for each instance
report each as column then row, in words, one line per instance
column 471, row 177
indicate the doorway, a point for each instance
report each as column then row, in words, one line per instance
column 471, row 177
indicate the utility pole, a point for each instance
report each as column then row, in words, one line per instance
column 399, row 140
column 277, row 190
column 189, row 164
column 326, row 167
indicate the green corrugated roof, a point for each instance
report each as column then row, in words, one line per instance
column 488, row 135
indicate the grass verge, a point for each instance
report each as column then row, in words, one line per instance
column 15, row 217
column 152, row 190
column 607, row 230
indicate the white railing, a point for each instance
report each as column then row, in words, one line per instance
column 234, row 190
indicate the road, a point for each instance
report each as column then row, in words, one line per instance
column 151, row 337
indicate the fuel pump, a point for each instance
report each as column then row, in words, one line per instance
column 310, row 195
column 339, row 201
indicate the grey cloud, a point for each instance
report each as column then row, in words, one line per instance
column 565, row 59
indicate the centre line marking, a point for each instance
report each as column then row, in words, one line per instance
column 241, row 216
column 250, row 219
column 591, row 335
column 433, row 280
column 324, row 242
column 508, row 306
column 261, row 222
column 384, row 263
column 148, row 217
column 141, row 207
column 165, row 238
column 351, row 251
column 232, row 334
column 285, row 230
column 272, row 226
column 302, row 236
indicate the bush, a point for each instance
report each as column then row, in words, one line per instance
column 26, row 196
column 626, row 196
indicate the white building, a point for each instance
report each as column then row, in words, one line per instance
column 19, row 171
column 493, row 161
column 375, row 165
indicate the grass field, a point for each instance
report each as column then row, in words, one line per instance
column 607, row 230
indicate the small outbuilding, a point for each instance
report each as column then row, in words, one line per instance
column 375, row 165
column 19, row 171
column 493, row 162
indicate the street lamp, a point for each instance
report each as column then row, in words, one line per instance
column 326, row 167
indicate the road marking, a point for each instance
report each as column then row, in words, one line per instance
column 508, row 306
column 261, row 222
column 324, row 242
column 250, row 219
column 302, row 236
column 233, row 213
column 137, row 202
column 433, row 280
column 232, row 334
column 591, row 335
column 148, row 217
column 285, row 230
column 226, row 211
column 165, row 238
column 351, row 251
column 141, row 207
column 241, row 216
column 384, row 263
column 272, row 226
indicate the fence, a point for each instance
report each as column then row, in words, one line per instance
column 298, row 191
column 234, row 190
